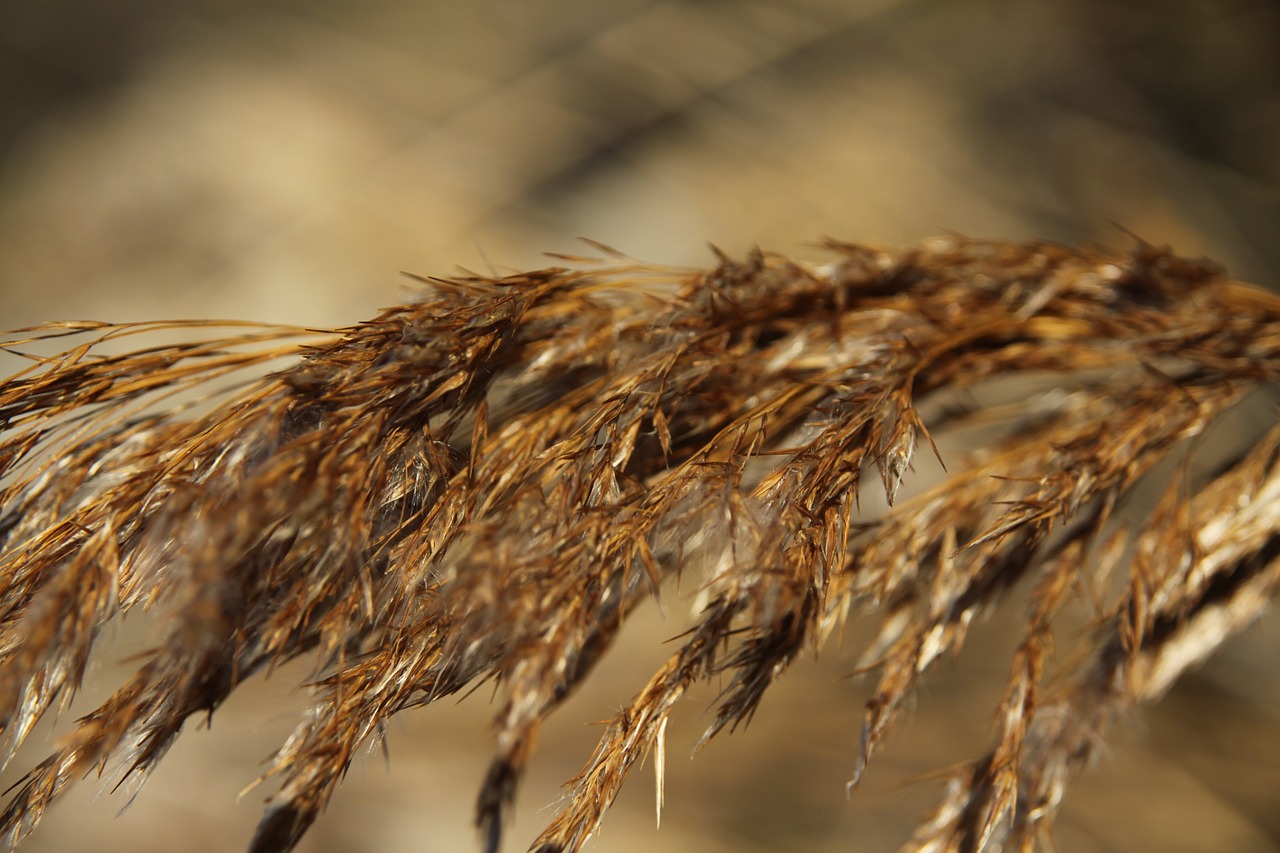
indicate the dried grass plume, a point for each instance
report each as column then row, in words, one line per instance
column 482, row 485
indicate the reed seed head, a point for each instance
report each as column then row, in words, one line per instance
column 483, row 484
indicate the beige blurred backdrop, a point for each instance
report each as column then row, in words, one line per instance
column 285, row 160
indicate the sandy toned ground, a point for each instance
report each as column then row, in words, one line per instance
column 284, row 160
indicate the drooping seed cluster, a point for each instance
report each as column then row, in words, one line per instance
column 483, row 484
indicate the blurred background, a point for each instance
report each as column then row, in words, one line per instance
column 284, row 160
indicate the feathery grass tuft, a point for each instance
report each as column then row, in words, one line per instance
column 482, row 485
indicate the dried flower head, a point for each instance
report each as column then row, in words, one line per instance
column 482, row 486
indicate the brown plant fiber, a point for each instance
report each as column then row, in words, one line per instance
column 482, row 486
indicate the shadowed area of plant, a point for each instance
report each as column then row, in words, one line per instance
column 482, row 485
